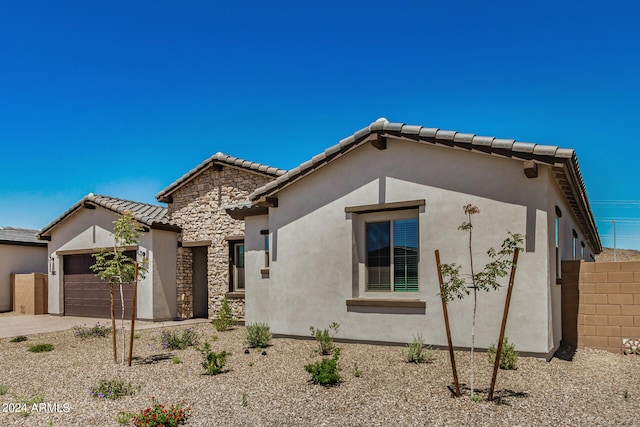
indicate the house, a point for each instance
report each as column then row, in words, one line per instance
column 210, row 257
column 349, row 236
column 20, row 252
column 87, row 226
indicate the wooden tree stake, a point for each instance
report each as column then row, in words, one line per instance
column 133, row 310
column 446, row 324
column 496, row 364
column 113, row 322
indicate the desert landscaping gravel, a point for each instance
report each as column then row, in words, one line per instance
column 595, row 388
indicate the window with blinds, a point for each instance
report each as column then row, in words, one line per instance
column 392, row 255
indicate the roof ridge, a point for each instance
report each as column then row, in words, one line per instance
column 223, row 158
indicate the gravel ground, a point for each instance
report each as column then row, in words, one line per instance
column 587, row 391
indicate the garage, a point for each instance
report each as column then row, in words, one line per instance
column 88, row 296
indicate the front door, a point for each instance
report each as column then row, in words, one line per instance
column 236, row 267
column 200, row 282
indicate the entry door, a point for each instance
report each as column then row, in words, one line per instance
column 200, row 282
column 236, row 266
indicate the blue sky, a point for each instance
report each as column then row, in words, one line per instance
column 122, row 98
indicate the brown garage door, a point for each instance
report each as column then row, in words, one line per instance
column 85, row 294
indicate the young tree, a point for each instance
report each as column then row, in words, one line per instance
column 118, row 269
column 457, row 284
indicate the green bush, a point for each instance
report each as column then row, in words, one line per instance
column 112, row 389
column 19, row 338
column 325, row 372
column 179, row 339
column 225, row 319
column 3, row 389
column 417, row 352
column 213, row 362
column 509, row 357
column 324, row 338
column 258, row 335
column 39, row 348
column 97, row 331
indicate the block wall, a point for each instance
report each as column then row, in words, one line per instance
column 600, row 304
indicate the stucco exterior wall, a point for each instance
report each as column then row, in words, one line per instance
column 20, row 260
column 199, row 208
column 317, row 262
column 90, row 229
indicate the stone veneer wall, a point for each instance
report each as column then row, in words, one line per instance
column 199, row 208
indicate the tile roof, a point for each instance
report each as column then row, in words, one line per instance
column 152, row 216
column 220, row 159
column 563, row 161
column 19, row 237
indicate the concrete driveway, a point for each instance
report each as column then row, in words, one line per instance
column 14, row 325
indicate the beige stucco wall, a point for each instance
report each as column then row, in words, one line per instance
column 198, row 207
column 18, row 259
column 89, row 229
column 316, row 266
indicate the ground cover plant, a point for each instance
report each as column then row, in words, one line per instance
column 158, row 415
column 258, row 335
column 19, row 338
column 112, row 389
column 3, row 389
column 324, row 338
column 509, row 357
column 96, row 331
column 178, row 339
column 41, row 348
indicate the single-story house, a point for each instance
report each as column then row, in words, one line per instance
column 349, row 236
column 87, row 226
column 210, row 257
column 20, row 252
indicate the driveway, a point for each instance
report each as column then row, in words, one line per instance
column 13, row 325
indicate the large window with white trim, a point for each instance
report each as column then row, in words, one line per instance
column 392, row 255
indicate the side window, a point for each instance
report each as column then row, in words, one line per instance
column 574, row 245
column 392, row 255
column 557, row 242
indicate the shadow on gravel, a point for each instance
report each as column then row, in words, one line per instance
column 500, row 396
column 153, row 359
column 565, row 352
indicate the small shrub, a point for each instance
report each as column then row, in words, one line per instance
column 3, row 389
column 112, row 389
column 178, row 340
column 356, row 371
column 225, row 319
column 417, row 352
column 324, row 338
column 137, row 335
column 29, row 401
column 213, row 362
column 258, row 335
column 509, row 357
column 325, row 372
column 244, row 399
column 19, row 338
column 40, row 348
column 176, row 360
column 97, row 331
column 159, row 415
column 124, row 418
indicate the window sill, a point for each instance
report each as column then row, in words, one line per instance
column 386, row 302
column 235, row 295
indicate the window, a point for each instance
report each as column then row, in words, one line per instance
column 574, row 245
column 557, row 242
column 392, row 255
column 582, row 251
column 266, row 251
